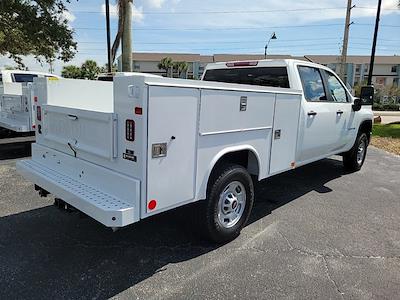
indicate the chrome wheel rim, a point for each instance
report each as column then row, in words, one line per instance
column 231, row 204
column 361, row 152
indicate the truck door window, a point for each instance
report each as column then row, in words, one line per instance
column 313, row 86
column 18, row 77
column 266, row 76
column 336, row 89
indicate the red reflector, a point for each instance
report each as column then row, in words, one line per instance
column 242, row 64
column 152, row 204
column 130, row 130
column 33, row 126
column 138, row 110
column 39, row 113
column 35, row 99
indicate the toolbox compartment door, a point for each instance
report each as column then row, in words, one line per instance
column 285, row 130
column 172, row 140
column 76, row 131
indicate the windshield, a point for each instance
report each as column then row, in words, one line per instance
column 264, row 76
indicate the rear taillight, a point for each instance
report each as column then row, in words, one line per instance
column 130, row 130
column 38, row 113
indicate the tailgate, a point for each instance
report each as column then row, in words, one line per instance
column 74, row 131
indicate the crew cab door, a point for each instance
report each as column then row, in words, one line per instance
column 317, row 136
column 340, row 99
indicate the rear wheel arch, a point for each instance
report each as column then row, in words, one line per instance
column 246, row 157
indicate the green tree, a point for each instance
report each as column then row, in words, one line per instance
column 181, row 67
column 71, row 72
column 166, row 64
column 35, row 27
column 90, row 69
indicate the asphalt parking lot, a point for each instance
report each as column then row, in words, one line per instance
column 314, row 233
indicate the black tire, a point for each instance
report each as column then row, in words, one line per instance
column 352, row 162
column 226, row 175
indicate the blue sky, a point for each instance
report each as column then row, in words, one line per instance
column 235, row 26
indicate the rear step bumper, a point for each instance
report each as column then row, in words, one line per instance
column 105, row 208
column 14, row 125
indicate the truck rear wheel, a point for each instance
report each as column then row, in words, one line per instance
column 354, row 159
column 230, row 198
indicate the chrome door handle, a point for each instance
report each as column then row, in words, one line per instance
column 312, row 113
column 339, row 112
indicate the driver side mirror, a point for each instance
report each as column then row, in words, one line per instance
column 357, row 104
column 367, row 95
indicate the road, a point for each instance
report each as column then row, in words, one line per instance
column 315, row 232
column 388, row 117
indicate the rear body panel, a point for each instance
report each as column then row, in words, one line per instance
column 17, row 107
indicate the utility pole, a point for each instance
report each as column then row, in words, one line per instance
column 371, row 64
column 342, row 72
column 127, row 37
column 108, row 35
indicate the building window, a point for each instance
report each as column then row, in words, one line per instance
column 358, row 68
column 394, row 69
column 365, row 68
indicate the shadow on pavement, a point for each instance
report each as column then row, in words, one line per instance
column 46, row 253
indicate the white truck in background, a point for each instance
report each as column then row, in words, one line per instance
column 127, row 150
column 17, row 101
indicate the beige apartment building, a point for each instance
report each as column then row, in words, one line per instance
column 386, row 70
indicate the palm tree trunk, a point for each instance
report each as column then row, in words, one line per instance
column 127, row 37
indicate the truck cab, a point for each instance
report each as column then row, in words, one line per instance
column 328, row 123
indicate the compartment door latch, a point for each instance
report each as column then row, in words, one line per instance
column 159, row 150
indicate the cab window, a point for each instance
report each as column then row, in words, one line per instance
column 19, row 77
column 264, row 76
column 312, row 83
column 336, row 89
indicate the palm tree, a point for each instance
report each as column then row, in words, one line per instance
column 166, row 64
column 124, row 34
column 181, row 67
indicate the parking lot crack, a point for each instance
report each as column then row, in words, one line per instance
column 328, row 274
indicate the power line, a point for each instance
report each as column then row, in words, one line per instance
column 241, row 42
column 333, row 44
column 234, row 28
column 204, row 12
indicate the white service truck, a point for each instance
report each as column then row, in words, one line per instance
column 17, row 100
column 124, row 151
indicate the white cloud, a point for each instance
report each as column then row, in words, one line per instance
column 68, row 16
column 156, row 3
column 284, row 14
column 137, row 12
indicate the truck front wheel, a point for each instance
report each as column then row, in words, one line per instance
column 354, row 159
column 230, row 198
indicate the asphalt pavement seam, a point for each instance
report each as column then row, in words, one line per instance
column 328, row 274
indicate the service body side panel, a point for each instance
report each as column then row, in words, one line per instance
column 225, row 127
column 172, row 123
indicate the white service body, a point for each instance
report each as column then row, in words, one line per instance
column 84, row 153
column 17, row 100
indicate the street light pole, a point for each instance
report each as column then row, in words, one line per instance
column 108, row 35
column 371, row 64
column 273, row 37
